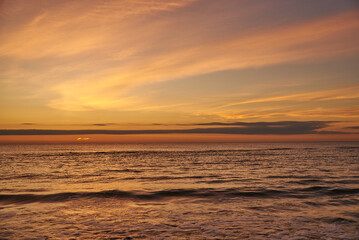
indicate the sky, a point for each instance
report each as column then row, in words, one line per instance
column 179, row 70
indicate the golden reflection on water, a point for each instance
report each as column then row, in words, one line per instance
column 177, row 218
column 228, row 192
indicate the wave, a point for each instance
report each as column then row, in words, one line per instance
column 159, row 178
column 173, row 193
column 23, row 176
column 338, row 220
column 62, row 197
column 343, row 191
column 123, row 170
column 348, row 147
column 137, row 152
column 48, row 176
column 328, row 182
column 156, row 152
column 311, row 177
column 280, row 149
column 144, row 178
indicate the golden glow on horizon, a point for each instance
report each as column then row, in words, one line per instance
column 178, row 138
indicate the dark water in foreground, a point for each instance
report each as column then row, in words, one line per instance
column 180, row 191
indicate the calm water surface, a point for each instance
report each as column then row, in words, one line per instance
column 180, row 191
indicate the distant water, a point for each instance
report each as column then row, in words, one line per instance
column 180, row 191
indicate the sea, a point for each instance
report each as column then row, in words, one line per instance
column 180, row 191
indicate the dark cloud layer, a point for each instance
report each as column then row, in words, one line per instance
column 355, row 127
column 317, row 124
column 265, row 128
column 102, row 124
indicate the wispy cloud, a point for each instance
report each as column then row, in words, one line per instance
column 63, row 28
column 351, row 92
column 277, row 113
column 28, row 124
column 308, row 42
column 103, row 124
column 94, row 52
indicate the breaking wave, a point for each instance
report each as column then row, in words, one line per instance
column 173, row 193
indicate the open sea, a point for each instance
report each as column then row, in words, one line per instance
column 180, row 191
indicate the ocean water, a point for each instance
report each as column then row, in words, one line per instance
column 180, row 191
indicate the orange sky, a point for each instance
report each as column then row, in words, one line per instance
column 198, row 70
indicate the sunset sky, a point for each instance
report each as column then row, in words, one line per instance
column 179, row 70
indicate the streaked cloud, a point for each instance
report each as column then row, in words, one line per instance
column 351, row 92
column 103, row 124
column 316, row 40
column 96, row 51
column 63, row 28
column 314, row 113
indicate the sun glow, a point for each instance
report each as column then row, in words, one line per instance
column 82, row 139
